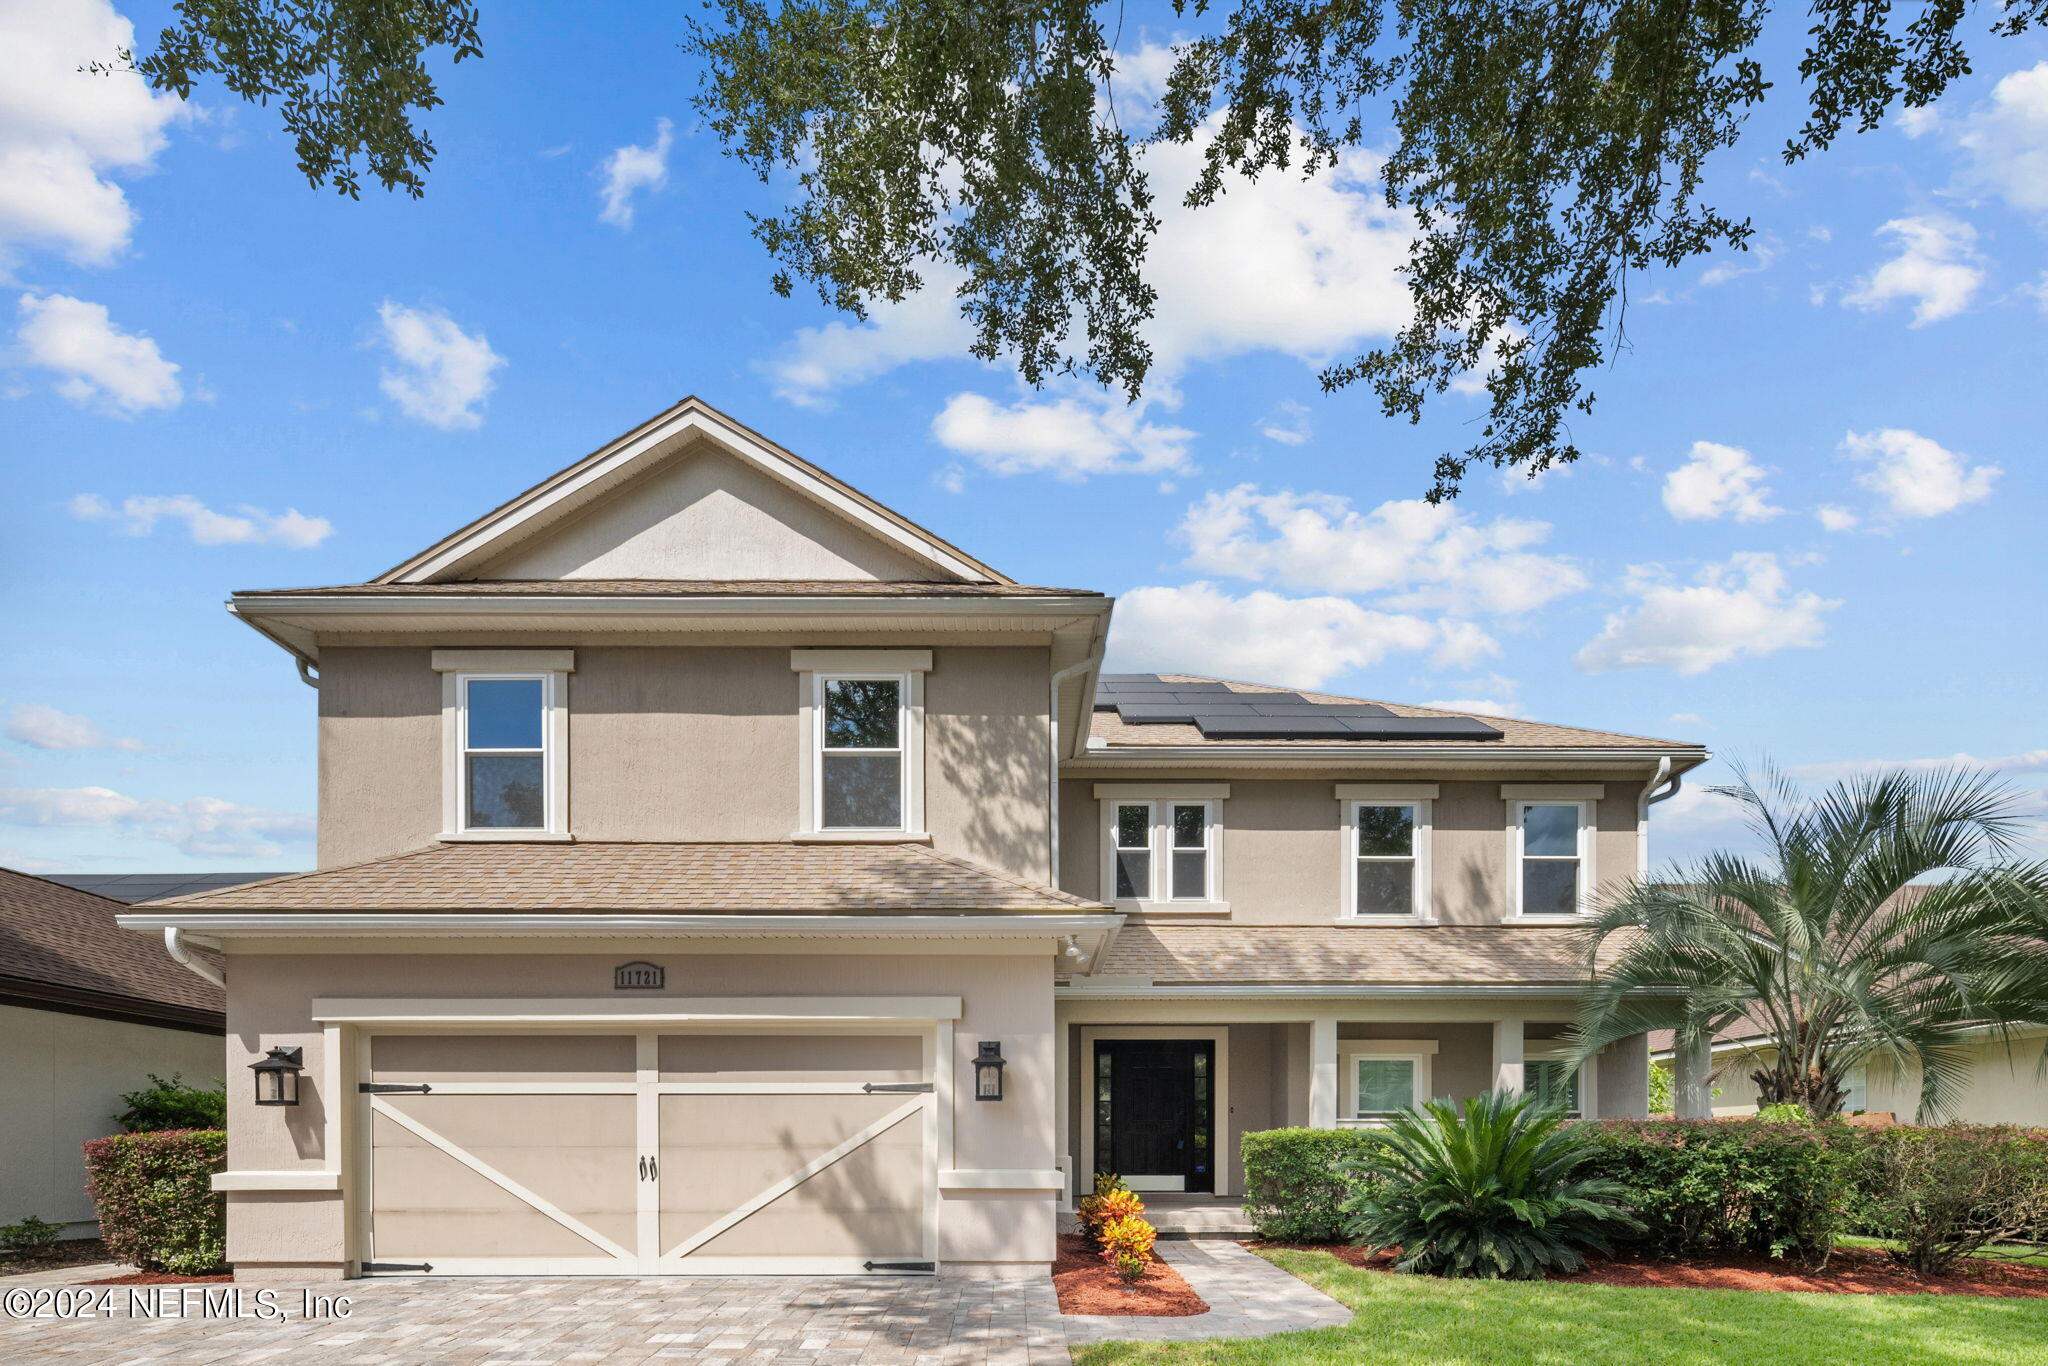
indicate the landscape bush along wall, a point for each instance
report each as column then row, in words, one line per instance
column 155, row 1197
column 1293, row 1189
column 1942, row 1194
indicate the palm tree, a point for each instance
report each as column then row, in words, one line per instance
column 1889, row 914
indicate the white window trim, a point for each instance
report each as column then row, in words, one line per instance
column 1223, row 1132
column 1588, row 873
column 1423, row 895
column 1162, row 799
column 554, row 698
column 910, row 741
column 1543, row 1050
column 1420, row 1052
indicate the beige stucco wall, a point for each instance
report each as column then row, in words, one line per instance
column 62, row 1078
column 2004, row 1084
column 1006, row 997
column 704, row 515
column 686, row 743
column 1283, row 844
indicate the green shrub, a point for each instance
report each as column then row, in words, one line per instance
column 1784, row 1112
column 1663, row 1098
column 1294, row 1191
column 1705, row 1187
column 1940, row 1195
column 30, row 1239
column 171, row 1104
column 1494, row 1188
column 154, row 1192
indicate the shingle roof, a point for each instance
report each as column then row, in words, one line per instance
column 1110, row 730
column 622, row 588
column 60, row 944
column 694, row 878
column 1350, row 955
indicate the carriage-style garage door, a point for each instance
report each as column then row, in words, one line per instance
column 647, row 1153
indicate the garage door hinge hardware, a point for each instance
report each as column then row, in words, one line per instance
column 898, row 1266
column 873, row 1086
column 385, row 1088
column 369, row 1267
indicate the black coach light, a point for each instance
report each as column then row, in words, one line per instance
column 277, row 1076
column 988, row 1071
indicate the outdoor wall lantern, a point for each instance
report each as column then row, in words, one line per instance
column 277, row 1076
column 988, row 1071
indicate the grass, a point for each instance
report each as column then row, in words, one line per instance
column 1421, row 1321
column 2026, row 1254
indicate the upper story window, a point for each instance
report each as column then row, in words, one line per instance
column 1550, row 840
column 1162, row 845
column 863, row 714
column 506, row 724
column 1386, row 868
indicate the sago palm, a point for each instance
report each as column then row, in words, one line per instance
column 1887, row 919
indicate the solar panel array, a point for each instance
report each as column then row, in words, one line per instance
column 1223, row 714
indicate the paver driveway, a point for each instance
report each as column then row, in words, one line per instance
column 754, row 1322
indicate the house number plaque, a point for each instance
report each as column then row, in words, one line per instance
column 639, row 976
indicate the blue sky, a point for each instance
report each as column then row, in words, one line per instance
column 1808, row 527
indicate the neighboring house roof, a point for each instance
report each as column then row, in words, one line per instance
column 1111, row 731
column 61, row 950
column 801, row 879
column 134, row 887
column 626, row 588
column 1348, row 955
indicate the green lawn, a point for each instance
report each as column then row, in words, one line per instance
column 1421, row 1321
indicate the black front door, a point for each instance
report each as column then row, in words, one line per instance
column 1154, row 1112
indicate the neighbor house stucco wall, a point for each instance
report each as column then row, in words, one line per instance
column 2003, row 1084
column 1006, row 997
column 1283, row 843
column 687, row 743
column 62, row 1077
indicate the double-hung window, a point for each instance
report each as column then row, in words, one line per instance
column 1551, row 838
column 1386, row 837
column 1162, row 850
column 507, row 734
column 863, row 713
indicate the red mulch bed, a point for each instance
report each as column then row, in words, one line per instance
column 1089, row 1285
column 163, row 1278
column 1851, row 1271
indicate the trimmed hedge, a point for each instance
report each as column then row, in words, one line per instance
column 1294, row 1189
column 1705, row 1186
column 154, row 1192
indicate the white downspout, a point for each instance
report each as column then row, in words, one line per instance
column 174, row 945
column 1669, row 782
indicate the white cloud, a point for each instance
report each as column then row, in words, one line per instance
column 203, row 827
column 1287, row 424
column 1762, row 254
column 1264, row 637
column 1480, row 706
column 631, row 169
column 245, row 526
column 1835, row 518
column 1070, row 438
column 1426, row 556
column 1718, row 481
column 2031, row 761
column 1937, row 268
column 2005, row 139
column 443, row 374
column 1915, row 475
column 1741, row 609
column 97, row 363
column 1306, row 268
column 64, row 133
column 47, row 728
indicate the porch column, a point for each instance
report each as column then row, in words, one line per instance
column 1062, row 1108
column 1322, row 1073
column 1507, row 1055
column 1692, row 1066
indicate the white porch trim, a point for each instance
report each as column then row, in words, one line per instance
column 1219, row 1099
column 656, row 1010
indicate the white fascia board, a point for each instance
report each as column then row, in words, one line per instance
column 1408, row 755
column 605, row 924
column 1142, row 993
column 658, row 604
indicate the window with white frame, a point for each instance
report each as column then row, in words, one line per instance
column 1552, row 854
column 1855, row 1091
column 1553, row 1083
column 1379, row 1085
column 1163, row 851
column 862, row 726
column 506, row 780
column 1389, row 864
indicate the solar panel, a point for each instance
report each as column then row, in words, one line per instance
column 1221, row 713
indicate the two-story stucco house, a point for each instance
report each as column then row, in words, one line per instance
column 696, row 833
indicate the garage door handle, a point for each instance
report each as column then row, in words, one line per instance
column 643, row 1167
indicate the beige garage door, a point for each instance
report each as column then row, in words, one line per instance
column 648, row 1153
